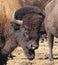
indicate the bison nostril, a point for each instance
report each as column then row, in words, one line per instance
column 32, row 47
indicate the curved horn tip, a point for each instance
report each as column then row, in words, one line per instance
column 20, row 22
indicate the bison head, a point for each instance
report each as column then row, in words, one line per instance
column 32, row 18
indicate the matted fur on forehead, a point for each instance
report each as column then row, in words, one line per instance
column 32, row 19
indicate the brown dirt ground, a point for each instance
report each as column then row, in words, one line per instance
column 41, row 55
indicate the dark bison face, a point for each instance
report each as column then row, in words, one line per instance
column 27, row 46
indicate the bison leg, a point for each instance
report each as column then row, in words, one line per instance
column 50, row 40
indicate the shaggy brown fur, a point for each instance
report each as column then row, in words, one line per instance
column 6, row 10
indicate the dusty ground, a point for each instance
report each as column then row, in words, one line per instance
column 40, row 59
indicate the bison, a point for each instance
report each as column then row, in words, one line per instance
column 30, row 24
column 51, row 24
column 24, row 33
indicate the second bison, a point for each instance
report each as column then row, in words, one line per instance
column 51, row 24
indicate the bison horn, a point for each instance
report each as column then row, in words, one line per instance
column 20, row 22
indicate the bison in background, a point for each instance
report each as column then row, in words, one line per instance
column 6, row 9
column 38, row 3
column 51, row 24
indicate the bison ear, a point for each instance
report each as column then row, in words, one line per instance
column 15, row 26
